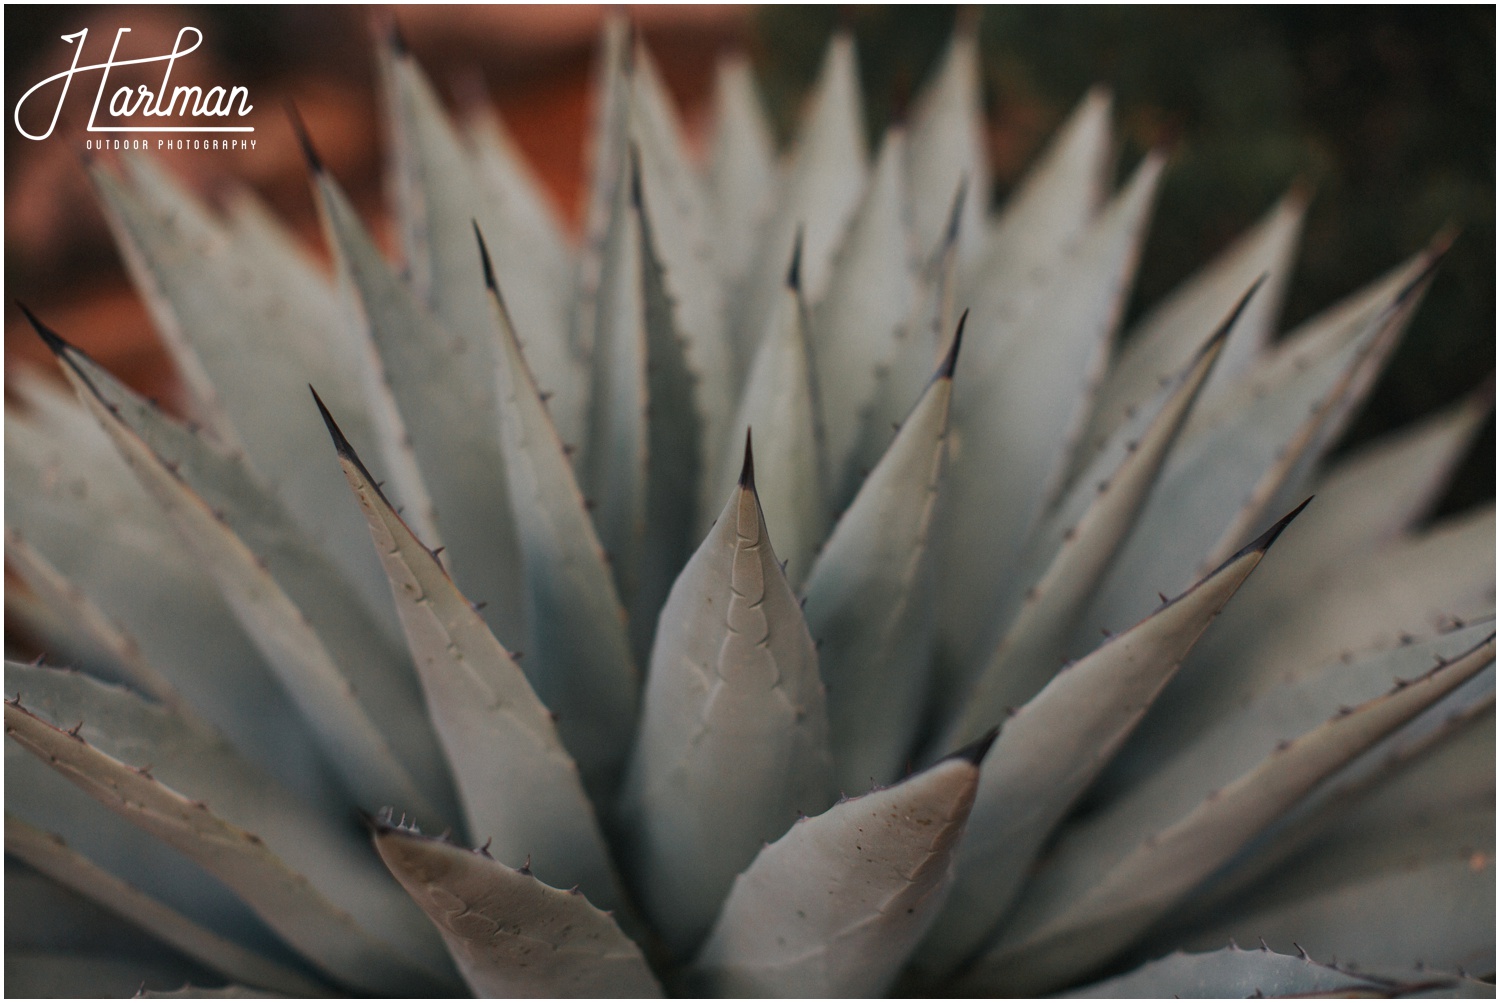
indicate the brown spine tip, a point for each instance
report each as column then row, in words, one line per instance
column 794, row 272
column 340, row 441
column 484, row 260
column 976, row 750
column 1227, row 325
column 636, row 201
column 1264, row 541
column 747, row 469
column 345, row 449
column 950, row 361
column 51, row 338
column 304, row 140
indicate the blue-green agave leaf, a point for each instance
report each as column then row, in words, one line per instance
column 613, row 468
column 1404, row 589
column 1076, row 914
column 817, row 199
column 348, row 925
column 1413, row 832
column 741, row 168
column 1068, row 550
column 1244, row 445
column 329, row 651
column 607, row 152
column 1232, row 972
column 441, row 189
column 1052, row 748
column 1012, row 433
column 1157, row 345
column 948, row 146
column 1045, row 216
column 510, row 934
column 442, row 378
column 780, row 402
column 812, row 917
column 42, row 974
column 63, row 479
column 694, row 396
column 246, row 337
column 680, row 420
column 1385, row 487
column 86, row 619
column 870, row 596
column 52, row 857
column 43, row 798
column 871, row 294
column 518, row 786
column 733, row 742
column 516, row 201
column 578, row 650
column 921, row 341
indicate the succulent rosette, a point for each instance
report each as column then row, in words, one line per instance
column 805, row 484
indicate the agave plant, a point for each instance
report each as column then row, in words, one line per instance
column 894, row 592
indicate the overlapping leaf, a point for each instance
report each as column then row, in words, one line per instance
column 347, row 923
column 733, row 741
column 326, row 646
column 519, row 788
column 510, row 934
column 809, row 918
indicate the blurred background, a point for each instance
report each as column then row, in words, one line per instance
column 1386, row 113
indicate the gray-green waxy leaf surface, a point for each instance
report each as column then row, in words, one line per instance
column 733, row 742
column 367, row 942
column 1235, row 973
column 1052, row 748
column 779, row 404
column 1072, row 545
column 245, row 316
column 1011, row 435
column 877, row 569
column 48, row 854
column 510, row 934
column 518, row 786
column 828, row 909
column 63, row 476
column 579, row 650
column 326, row 646
column 441, row 378
column 1113, row 904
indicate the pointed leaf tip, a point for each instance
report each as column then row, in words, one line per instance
column 340, row 441
column 51, row 338
column 1437, row 251
column 484, row 260
column 1234, row 315
column 976, row 750
column 394, row 37
column 747, row 469
column 1264, row 541
column 794, row 272
column 950, row 361
column 636, row 199
column 304, row 139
